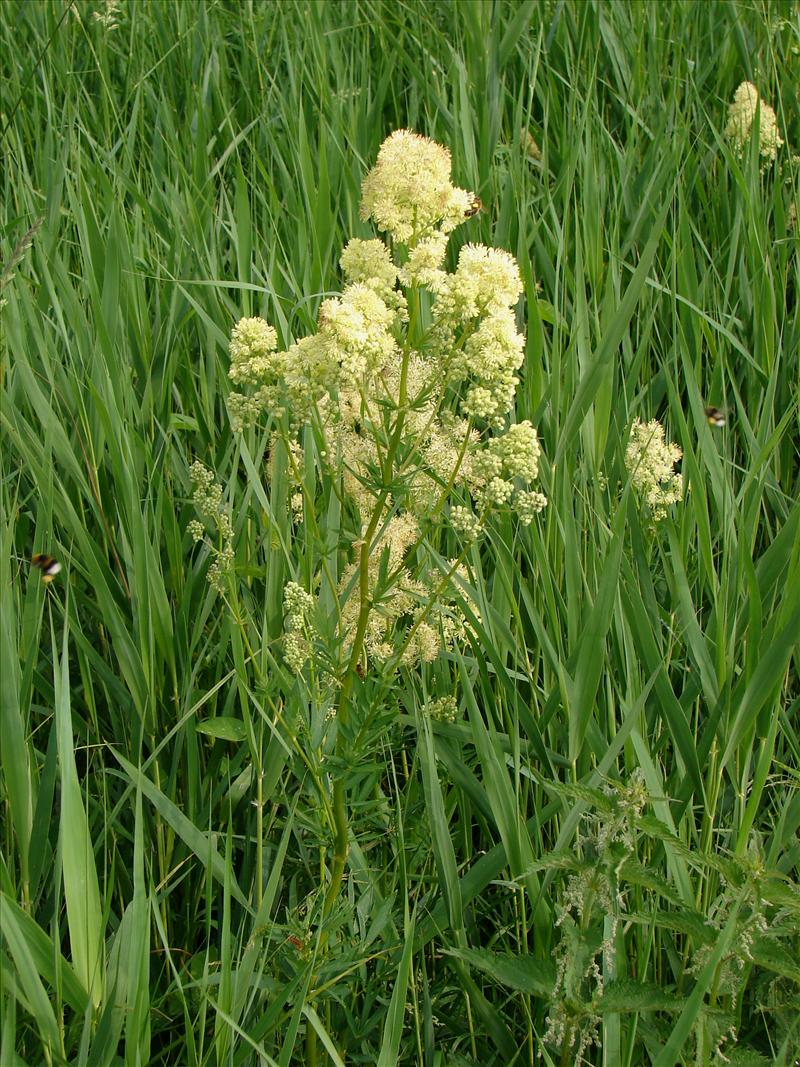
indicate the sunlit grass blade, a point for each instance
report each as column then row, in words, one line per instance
column 31, row 991
column 395, row 1016
column 81, row 885
column 14, row 754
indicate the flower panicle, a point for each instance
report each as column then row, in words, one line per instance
column 747, row 104
column 409, row 194
column 650, row 461
column 430, row 383
column 298, row 628
column 207, row 497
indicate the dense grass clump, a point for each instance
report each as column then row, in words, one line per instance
column 232, row 830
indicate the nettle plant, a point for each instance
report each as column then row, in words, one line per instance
column 729, row 924
column 401, row 404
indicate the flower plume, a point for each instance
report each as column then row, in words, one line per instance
column 741, row 116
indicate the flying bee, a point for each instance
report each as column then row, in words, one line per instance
column 715, row 416
column 48, row 565
column 475, row 205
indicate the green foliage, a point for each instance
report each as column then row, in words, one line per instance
column 166, row 822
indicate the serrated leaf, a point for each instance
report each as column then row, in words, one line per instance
column 523, row 973
column 575, row 791
column 636, row 874
column 782, row 895
column 774, row 957
column 559, row 861
column 628, row 996
column 745, row 1057
column 693, row 924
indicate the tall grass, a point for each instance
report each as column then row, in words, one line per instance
column 164, row 845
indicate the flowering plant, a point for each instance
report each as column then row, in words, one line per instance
column 746, row 108
column 408, row 386
column 402, row 401
column 651, row 462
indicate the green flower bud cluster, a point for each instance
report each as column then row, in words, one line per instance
column 297, row 606
column 445, row 709
column 207, row 498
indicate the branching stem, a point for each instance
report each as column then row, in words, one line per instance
column 365, row 605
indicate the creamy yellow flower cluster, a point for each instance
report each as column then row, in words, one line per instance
column 408, row 617
column 478, row 300
column 409, row 391
column 503, row 464
column 651, row 461
column 742, row 114
column 408, row 193
column 465, row 375
column 255, row 361
column 354, row 341
column 497, row 476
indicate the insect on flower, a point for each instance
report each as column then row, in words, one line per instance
column 715, row 416
column 48, row 565
column 475, row 205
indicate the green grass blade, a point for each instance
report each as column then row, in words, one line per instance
column 395, row 1016
column 81, row 886
column 194, row 838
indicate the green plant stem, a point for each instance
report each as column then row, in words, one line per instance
column 339, row 806
column 260, row 823
column 311, row 1046
column 365, row 605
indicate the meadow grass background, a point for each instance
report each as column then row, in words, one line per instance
column 160, row 884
